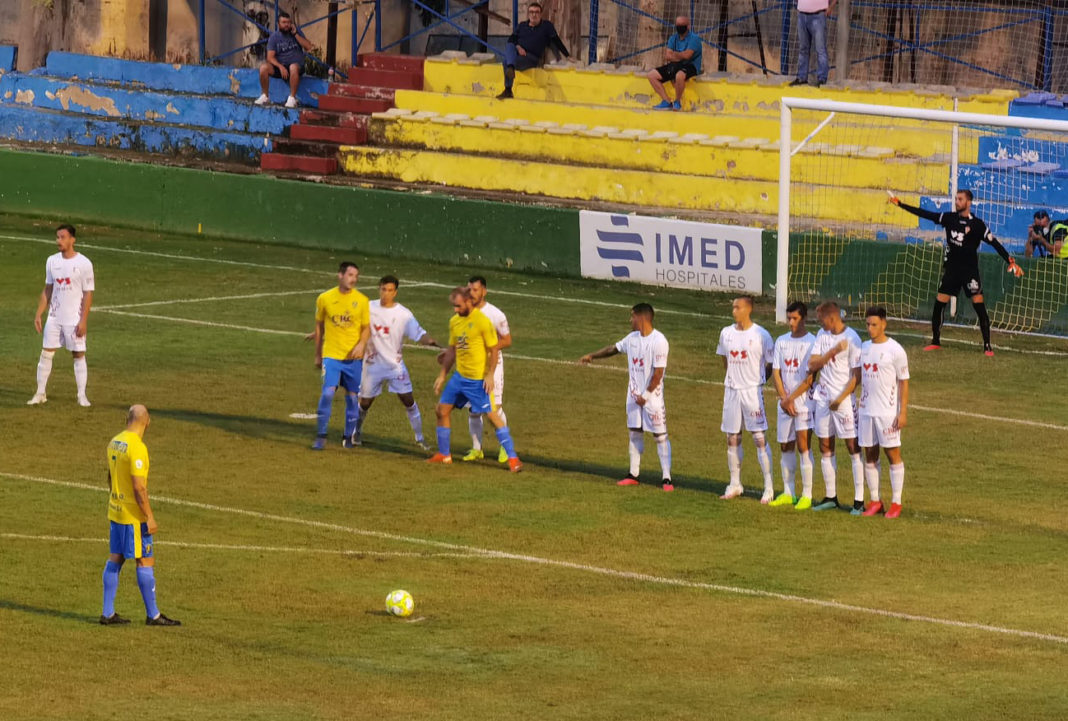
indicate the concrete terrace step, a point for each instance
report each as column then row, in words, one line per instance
column 112, row 101
column 386, row 61
column 317, row 148
column 633, row 187
column 328, row 134
column 206, row 80
column 362, row 91
column 277, row 162
column 342, row 103
column 39, row 125
column 339, row 119
column 386, row 78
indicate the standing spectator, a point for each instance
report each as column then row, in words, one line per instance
column 683, row 56
column 285, row 59
column 526, row 46
column 812, row 30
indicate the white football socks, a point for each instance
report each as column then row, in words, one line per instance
column 474, row 424
column 871, row 475
column 788, row 464
column 415, row 419
column 806, row 474
column 830, row 478
column 636, row 447
column 44, row 369
column 663, row 450
column 858, row 476
column 764, row 461
column 897, row 482
column 734, row 464
column 81, row 374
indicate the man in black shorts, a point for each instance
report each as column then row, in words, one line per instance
column 683, row 56
column 960, row 262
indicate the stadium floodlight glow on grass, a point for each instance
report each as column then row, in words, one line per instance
column 839, row 238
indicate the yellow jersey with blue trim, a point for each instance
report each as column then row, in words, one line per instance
column 127, row 457
column 344, row 316
column 472, row 335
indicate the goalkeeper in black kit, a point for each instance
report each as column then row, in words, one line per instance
column 960, row 262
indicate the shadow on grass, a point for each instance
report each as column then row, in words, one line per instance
column 51, row 612
column 260, row 427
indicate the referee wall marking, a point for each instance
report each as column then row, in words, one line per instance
column 581, row 567
column 497, row 291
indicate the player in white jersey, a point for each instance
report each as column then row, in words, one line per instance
column 383, row 363
column 884, row 401
column 68, row 296
column 747, row 351
column 477, row 285
column 794, row 428
column 647, row 352
column 835, row 354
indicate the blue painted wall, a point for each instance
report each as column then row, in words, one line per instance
column 8, row 55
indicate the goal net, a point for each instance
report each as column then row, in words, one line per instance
column 840, row 239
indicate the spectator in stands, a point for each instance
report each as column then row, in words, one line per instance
column 812, row 30
column 1058, row 239
column 1038, row 245
column 285, row 59
column 683, row 56
column 527, row 45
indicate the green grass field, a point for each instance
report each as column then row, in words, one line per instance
column 551, row 594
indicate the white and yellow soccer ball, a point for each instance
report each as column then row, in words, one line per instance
column 400, row 603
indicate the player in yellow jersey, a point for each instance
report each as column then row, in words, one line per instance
column 473, row 348
column 342, row 328
column 132, row 522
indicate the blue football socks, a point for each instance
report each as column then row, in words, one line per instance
column 444, row 441
column 146, row 581
column 352, row 412
column 326, row 400
column 111, row 585
column 504, row 437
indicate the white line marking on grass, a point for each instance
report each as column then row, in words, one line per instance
column 211, row 324
column 265, row 549
column 246, row 296
column 570, row 565
column 518, row 294
column 304, row 416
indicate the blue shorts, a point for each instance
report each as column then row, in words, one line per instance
column 344, row 373
column 131, row 540
column 460, row 391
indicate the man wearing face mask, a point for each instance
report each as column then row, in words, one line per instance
column 683, row 56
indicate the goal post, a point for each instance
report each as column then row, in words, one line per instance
column 838, row 238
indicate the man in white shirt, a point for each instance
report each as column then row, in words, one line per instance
column 383, row 363
column 835, row 355
column 647, row 351
column 884, row 400
column 748, row 352
column 477, row 286
column 794, row 427
column 68, row 296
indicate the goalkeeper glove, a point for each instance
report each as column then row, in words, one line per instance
column 1014, row 269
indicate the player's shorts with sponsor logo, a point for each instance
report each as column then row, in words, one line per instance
column 131, row 540
column 841, row 423
column 743, row 406
column 344, row 373
column 789, row 426
column 878, row 431
column 380, row 376
column 955, row 279
column 652, row 417
column 62, row 336
column 461, row 391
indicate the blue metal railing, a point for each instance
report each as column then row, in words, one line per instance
column 446, row 18
column 356, row 39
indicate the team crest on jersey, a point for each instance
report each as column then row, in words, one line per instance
column 973, row 284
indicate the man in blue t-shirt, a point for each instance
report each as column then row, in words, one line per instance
column 285, row 59
column 527, row 45
column 683, row 56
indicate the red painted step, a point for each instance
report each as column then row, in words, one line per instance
column 298, row 164
column 402, row 80
column 384, row 61
column 362, row 91
column 328, row 134
column 345, row 104
column 326, row 117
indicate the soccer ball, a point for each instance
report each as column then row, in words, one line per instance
column 400, row 603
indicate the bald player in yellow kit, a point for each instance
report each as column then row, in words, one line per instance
column 132, row 521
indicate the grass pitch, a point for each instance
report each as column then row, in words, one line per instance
column 551, row 594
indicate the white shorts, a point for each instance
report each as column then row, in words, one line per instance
column 841, row 423
column 377, row 375
column 789, row 426
column 62, row 336
column 878, row 431
column 651, row 417
column 747, row 404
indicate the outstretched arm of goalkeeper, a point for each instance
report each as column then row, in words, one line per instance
column 927, row 214
column 996, row 244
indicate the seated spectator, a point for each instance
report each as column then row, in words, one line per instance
column 683, row 56
column 1038, row 245
column 527, row 45
column 285, row 59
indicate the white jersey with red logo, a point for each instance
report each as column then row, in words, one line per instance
column 747, row 352
column 70, row 278
column 644, row 353
column 389, row 327
column 882, row 365
column 791, row 359
column 500, row 324
column 834, row 376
